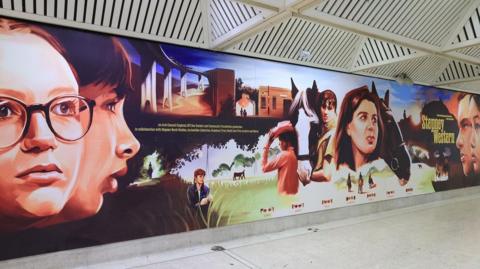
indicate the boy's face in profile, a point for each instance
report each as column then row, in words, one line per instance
column 463, row 142
column 284, row 145
column 328, row 110
column 199, row 179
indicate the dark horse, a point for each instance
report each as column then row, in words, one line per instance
column 239, row 175
column 394, row 151
column 309, row 101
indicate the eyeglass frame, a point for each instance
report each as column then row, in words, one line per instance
column 45, row 108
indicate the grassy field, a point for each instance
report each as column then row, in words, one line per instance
column 241, row 201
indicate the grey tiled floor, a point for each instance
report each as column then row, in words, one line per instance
column 443, row 234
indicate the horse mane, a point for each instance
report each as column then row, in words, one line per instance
column 305, row 100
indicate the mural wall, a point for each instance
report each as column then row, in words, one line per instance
column 105, row 139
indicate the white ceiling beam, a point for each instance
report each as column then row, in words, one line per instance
column 217, row 43
column 286, row 60
column 368, row 31
column 454, row 88
column 462, row 57
column 455, row 81
column 249, row 30
column 390, row 61
column 259, row 5
column 363, row 73
column 462, row 45
column 356, row 52
column 361, row 29
column 207, row 24
column 305, row 5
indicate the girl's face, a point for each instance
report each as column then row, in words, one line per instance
column 363, row 129
column 108, row 145
column 38, row 173
column 474, row 114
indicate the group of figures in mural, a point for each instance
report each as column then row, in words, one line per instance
column 76, row 106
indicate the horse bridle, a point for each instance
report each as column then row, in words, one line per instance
column 394, row 163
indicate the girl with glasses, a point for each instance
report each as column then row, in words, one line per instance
column 43, row 120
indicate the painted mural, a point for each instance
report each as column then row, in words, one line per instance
column 106, row 139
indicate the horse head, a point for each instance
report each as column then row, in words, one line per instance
column 308, row 101
column 394, row 151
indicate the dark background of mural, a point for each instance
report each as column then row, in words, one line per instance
column 133, row 213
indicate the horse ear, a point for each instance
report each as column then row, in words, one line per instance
column 386, row 99
column 314, row 86
column 315, row 99
column 312, row 94
column 374, row 89
column 294, row 88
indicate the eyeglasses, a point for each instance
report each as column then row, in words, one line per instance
column 69, row 118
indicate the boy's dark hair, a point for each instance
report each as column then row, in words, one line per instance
column 329, row 95
column 476, row 99
column 462, row 95
column 97, row 58
column 290, row 137
column 199, row 172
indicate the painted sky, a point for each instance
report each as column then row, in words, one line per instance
column 257, row 72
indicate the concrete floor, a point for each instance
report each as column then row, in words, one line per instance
column 442, row 234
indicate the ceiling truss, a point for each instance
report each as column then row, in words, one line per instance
column 434, row 42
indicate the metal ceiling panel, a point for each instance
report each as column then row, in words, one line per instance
column 320, row 44
column 457, row 70
column 377, row 51
column 425, row 21
column 172, row 19
column 422, row 69
column 431, row 41
column 471, row 86
column 471, row 51
column 227, row 15
column 471, row 29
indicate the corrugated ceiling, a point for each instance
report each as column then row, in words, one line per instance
column 434, row 42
